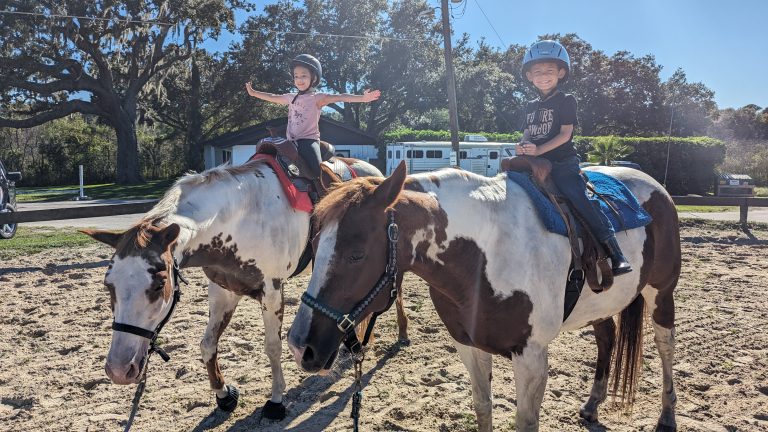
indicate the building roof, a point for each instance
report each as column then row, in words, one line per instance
column 333, row 131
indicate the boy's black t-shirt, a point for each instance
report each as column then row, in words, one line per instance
column 543, row 119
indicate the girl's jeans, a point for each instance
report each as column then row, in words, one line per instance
column 309, row 150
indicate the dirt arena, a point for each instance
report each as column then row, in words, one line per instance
column 55, row 332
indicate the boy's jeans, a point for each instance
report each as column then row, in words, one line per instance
column 565, row 174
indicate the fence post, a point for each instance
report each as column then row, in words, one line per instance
column 743, row 209
column 82, row 190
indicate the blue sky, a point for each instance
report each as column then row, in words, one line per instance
column 719, row 43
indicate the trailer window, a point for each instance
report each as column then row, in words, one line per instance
column 397, row 154
column 493, row 155
column 434, row 154
column 463, row 154
column 389, row 154
column 418, row 154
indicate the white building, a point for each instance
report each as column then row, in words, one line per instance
column 238, row 146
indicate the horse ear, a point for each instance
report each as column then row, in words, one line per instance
column 169, row 234
column 106, row 237
column 387, row 192
column 327, row 179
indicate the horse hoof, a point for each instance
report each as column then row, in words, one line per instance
column 273, row 411
column 229, row 402
column 665, row 428
column 404, row 341
column 588, row 415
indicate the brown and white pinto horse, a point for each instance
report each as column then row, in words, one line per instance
column 235, row 223
column 496, row 278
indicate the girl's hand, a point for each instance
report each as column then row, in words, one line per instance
column 371, row 95
column 249, row 89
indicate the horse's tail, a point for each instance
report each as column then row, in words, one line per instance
column 628, row 352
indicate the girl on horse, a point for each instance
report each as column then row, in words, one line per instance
column 305, row 105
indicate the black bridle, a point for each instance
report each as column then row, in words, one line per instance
column 152, row 335
column 346, row 322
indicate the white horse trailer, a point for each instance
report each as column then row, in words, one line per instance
column 482, row 158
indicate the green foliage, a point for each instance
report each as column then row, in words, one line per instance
column 148, row 190
column 52, row 67
column 407, row 134
column 31, row 240
column 608, row 149
column 406, row 71
column 692, row 161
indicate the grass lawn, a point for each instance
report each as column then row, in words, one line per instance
column 30, row 240
column 148, row 190
column 705, row 209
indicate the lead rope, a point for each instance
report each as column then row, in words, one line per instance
column 357, row 397
column 137, row 398
column 153, row 345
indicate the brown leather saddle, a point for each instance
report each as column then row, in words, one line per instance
column 287, row 155
column 588, row 256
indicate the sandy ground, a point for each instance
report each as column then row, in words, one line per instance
column 54, row 336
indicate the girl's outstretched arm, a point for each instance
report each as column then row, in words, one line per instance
column 270, row 97
column 367, row 96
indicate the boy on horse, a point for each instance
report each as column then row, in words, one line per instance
column 304, row 108
column 548, row 133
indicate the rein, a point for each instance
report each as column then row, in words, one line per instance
column 346, row 322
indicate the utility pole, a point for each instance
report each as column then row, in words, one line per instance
column 452, row 107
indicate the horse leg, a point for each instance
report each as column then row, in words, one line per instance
column 272, row 314
column 221, row 306
column 531, row 369
column 661, row 306
column 479, row 364
column 402, row 318
column 605, row 333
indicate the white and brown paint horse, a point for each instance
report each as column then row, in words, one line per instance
column 496, row 278
column 235, row 223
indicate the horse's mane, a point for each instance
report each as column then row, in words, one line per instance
column 169, row 203
column 342, row 196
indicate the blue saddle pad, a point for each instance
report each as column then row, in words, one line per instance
column 631, row 213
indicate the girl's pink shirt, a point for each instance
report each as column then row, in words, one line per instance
column 303, row 116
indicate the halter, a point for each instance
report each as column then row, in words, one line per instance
column 346, row 322
column 152, row 335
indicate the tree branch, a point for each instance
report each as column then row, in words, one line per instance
column 59, row 111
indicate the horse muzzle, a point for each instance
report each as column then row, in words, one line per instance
column 127, row 367
column 306, row 357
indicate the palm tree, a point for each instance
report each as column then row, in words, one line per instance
column 608, row 149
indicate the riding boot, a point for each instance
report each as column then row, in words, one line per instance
column 314, row 190
column 619, row 264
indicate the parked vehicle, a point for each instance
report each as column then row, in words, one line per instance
column 480, row 157
column 8, row 199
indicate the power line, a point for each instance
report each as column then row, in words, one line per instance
column 53, row 15
column 490, row 24
column 317, row 34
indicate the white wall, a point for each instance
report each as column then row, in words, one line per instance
column 364, row 152
column 241, row 153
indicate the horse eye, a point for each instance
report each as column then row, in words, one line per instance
column 356, row 257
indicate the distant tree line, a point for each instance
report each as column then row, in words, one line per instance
column 137, row 100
